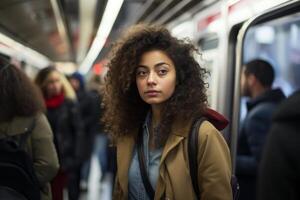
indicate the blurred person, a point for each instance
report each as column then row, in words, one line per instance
column 64, row 117
column 256, row 83
column 21, row 105
column 155, row 89
column 89, row 105
column 103, row 149
column 280, row 166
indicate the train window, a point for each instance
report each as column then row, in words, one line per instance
column 273, row 36
column 277, row 41
column 208, row 46
column 209, row 42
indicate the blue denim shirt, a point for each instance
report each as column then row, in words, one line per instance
column 136, row 190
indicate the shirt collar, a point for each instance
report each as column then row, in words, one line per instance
column 147, row 119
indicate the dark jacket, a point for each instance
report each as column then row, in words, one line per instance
column 89, row 105
column 67, row 128
column 39, row 146
column 252, row 138
column 280, row 166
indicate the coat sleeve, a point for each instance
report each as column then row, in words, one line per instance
column 214, row 171
column 45, row 160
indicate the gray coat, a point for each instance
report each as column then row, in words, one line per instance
column 40, row 147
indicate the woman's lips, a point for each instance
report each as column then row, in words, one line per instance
column 152, row 93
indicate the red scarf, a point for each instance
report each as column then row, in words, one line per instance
column 55, row 101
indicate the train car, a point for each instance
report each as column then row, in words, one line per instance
column 229, row 34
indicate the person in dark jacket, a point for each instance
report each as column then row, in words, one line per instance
column 280, row 166
column 89, row 104
column 102, row 148
column 21, row 104
column 256, row 82
column 64, row 117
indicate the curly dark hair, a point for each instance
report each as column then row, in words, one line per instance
column 125, row 111
column 19, row 95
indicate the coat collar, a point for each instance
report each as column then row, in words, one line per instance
column 272, row 96
column 182, row 128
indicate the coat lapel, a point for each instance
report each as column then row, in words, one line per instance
column 124, row 155
column 171, row 144
column 179, row 131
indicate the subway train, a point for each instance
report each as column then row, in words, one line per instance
column 231, row 33
column 228, row 34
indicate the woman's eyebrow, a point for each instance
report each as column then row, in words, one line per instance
column 141, row 66
column 156, row 65
column 161, row 63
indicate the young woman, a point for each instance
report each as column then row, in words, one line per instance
column 64, row 117
column 21, row 105
column 155, row 90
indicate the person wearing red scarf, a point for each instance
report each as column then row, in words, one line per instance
column 55, row 101
column 64, row 117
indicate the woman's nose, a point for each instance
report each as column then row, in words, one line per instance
column 151, row 78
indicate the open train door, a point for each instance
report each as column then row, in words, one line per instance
column 273, row 35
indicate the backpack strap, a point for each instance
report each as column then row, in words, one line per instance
column 25, row 135
column 192, row 154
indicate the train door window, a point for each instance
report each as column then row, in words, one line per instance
column 209, row 51
column 277, row 42
column 273, row 36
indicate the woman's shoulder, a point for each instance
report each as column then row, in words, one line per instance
column 208, row 128
column 209, row 133
column 18, row 125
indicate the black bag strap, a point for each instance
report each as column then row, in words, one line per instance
column 147, row 185
column 26, row 134
column 192, row 154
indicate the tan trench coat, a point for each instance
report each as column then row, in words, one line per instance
column 40, row 147
column 174, row 182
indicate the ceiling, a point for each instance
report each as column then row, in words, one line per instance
column 63, row 30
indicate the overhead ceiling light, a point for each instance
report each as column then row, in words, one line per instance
column 110, row 14
column 87, row 13
column 24, row 53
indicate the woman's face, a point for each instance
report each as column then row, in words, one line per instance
column 53, row 84
column 155, row 77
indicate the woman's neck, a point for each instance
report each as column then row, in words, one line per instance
column 156, row 115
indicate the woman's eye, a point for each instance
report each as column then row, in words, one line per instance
column 141, row 73
column 162, row 72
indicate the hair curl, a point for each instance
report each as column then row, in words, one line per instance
column 124, row 108
column 19, row 96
